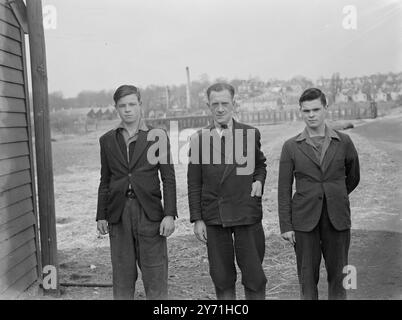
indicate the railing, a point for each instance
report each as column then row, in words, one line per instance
column 267, row 117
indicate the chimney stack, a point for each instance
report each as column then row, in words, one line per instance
column 167, row 97
column 188, row 100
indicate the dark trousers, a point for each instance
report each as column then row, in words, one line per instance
column 247, row 243
column 136, row 240
column 334, row 246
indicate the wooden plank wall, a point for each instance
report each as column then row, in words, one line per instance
column 18, row 236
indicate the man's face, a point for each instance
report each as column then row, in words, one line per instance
column 313, row 113
column 222, row 106
column 129, row 108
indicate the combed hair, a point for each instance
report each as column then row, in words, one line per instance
column 126, row 90
column 313, row 94
column 221, row 86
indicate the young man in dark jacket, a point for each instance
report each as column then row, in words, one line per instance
column 129, row 201
column 316, row 219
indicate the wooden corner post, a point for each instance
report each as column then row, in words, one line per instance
column 44, row 165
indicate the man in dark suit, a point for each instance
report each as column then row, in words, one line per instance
column 325, row 165
column 129, row 201
column 225, row 196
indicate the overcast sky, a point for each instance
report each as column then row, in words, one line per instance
column 100, row 44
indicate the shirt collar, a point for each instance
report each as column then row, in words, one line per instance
column 230, row 125
column 142, row 126
column 329, row 132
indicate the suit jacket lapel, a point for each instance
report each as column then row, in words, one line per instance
column 116, row 151
column 329, row 154
column 140, row 146
column 308, row 151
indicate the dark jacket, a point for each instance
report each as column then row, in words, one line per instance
column 335, row 178
column 117, row 173
column 217, row 193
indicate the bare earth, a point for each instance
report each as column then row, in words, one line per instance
column 84, row 257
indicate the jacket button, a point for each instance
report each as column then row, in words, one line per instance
column 320, row 197
column 129, row 174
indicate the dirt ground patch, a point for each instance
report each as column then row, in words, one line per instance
column 84, row 257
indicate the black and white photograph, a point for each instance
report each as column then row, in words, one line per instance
column 177, row 151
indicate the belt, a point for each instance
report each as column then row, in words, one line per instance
column 130, row 194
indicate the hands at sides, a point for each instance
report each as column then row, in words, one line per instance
column 102, row 227
column 289, row 236
column 200, row 230
column 167, row 226
column 256, row 189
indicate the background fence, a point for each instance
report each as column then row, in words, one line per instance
column 269, row 117
column 74, row 122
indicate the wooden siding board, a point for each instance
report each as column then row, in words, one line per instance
column 9, row 166
column 13, row 120
column 17, row 256
column 10, row 245
column 16, row 210
column 31, row 156
column 13, row 227
column 13, row 150
column 12, row 104
column 12, row 90
column 10, row 31
column 8, row 104
column 13, row 196
column 16, row 273
column 11, row 75
column 20, row 286
column 14, row 180
column 9, row 135
column 10, row 45
column 8, row 16
column 10, row 60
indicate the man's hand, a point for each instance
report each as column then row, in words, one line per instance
column 256, row 189
column 200, row 230
column 167, row 226
column 289, row 236
column 102, row 227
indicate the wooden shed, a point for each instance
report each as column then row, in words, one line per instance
column 20, row 257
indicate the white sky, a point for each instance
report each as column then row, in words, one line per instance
column 100, row 44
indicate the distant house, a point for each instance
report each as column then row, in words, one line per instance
column 107, row 115
column 359, row 97
column 380, row 96
column 91, row 114
column 347, row 83
column 99, row 113
column 395, row 95
column 390, row 79
column 245, row 87
column 341, row 97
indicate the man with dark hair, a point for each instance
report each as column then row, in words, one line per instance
column 129, row 202
column 225, row 200
column 316, row 220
